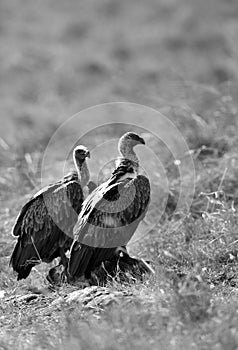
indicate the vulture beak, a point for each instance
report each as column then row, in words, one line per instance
column 88, row 154
column 142, row 141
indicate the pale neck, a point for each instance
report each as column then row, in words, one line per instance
column 126, row 151
column 83, row 172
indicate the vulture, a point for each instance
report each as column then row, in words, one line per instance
column 110, row 214
column 44, row 226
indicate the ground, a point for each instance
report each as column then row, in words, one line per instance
column 179, row 57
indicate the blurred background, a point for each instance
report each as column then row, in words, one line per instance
column 59, row 57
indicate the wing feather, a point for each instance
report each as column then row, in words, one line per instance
column 52, row 209
column 16, row 231
column 103, row 210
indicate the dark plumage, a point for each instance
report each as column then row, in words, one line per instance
column 45, row 224
column 111, row 214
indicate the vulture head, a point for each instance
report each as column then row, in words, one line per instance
column 127, row 142
column 81, row 153
column 132, row 138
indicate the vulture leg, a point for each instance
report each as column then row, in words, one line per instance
column 64, row 260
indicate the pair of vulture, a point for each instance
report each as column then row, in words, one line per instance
column 95, row 229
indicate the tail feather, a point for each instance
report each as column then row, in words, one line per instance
column 22, row 260
column 27, row 255
column 80, row 256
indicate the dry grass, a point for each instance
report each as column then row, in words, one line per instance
column 180, row 57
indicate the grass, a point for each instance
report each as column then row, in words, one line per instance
column 180, row 58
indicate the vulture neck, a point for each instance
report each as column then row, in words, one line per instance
column 127, row 152
column 83, row 172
